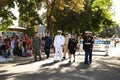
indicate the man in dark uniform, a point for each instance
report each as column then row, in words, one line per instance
column 48, row 44
column 88, row 46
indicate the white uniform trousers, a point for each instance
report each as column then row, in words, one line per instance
column 58, row 53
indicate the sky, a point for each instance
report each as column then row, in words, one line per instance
column 115, row 7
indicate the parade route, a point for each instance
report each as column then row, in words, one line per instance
column 102, row 68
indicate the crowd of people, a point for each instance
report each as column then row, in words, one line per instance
column 62, row 45
column 16, row 46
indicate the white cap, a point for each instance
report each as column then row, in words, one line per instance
column 59, row 31
column 88, row 32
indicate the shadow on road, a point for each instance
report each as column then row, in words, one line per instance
column 65, row 65
column 27, row 62
column 49, row 64
column 102, row 69
column 3, row 71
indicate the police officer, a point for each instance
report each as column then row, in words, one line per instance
column 88, row 46
column 48, row 44
column 58, row 45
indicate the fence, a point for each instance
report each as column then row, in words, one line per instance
column 100, row 45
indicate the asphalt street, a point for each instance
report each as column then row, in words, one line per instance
column 102, row 68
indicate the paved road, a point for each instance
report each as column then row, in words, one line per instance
column 102, row 68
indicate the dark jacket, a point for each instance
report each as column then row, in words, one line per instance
column 88, row 43
column 48, row 41
column 72, row 44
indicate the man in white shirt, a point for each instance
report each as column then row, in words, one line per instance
column 58, row 45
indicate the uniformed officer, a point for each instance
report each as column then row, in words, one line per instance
column 58, row 45
column 66, row 45
column 36, row 44
column 88, row 46
column 48, row 44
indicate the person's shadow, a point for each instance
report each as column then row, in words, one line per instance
column 49, row 64
column 66, row 65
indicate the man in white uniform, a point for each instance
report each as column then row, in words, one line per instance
column 58, row 44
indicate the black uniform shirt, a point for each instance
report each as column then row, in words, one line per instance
column 88, row 43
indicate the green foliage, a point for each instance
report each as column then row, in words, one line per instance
column 60, row 5
column 28, row 14
column 95, row 16
column 74, row 16
column 30, row 31
column 6, row 16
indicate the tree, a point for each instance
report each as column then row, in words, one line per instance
column 51, row 5
column 6, row 16
column 94, row 17
column 29, row 17
column 102, row 18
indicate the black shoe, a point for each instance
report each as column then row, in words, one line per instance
column 47, row 56
column 69, row 62
column 40, row 58
column 55, row 61
column 85, row 63
column 35, row 60
column 73, row 60
column 90, row 62
column 64, row 58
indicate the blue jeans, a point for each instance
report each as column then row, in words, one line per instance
column 88, row 56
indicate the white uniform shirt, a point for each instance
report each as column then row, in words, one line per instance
column 59, row 41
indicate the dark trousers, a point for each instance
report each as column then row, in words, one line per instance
column 37, row 53
column 47, row 50
column 88, row 56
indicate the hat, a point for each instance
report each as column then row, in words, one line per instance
column 88, row 32
column 59, row 31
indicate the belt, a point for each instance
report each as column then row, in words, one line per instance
column 87, row 43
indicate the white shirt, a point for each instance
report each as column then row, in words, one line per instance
column 12, row 44
column 59, row 40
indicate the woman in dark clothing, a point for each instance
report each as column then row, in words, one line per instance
column 72, row 46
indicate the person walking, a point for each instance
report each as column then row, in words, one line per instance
column 72, row 46
column 58, row 45
column 65, row 48
column 88, row 47
column 48, row 44
column 36, row 44
column 79, row 45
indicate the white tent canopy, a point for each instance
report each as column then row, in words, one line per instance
column 17, row 27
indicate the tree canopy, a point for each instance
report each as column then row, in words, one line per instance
column 6, row 16
column 74, row 16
